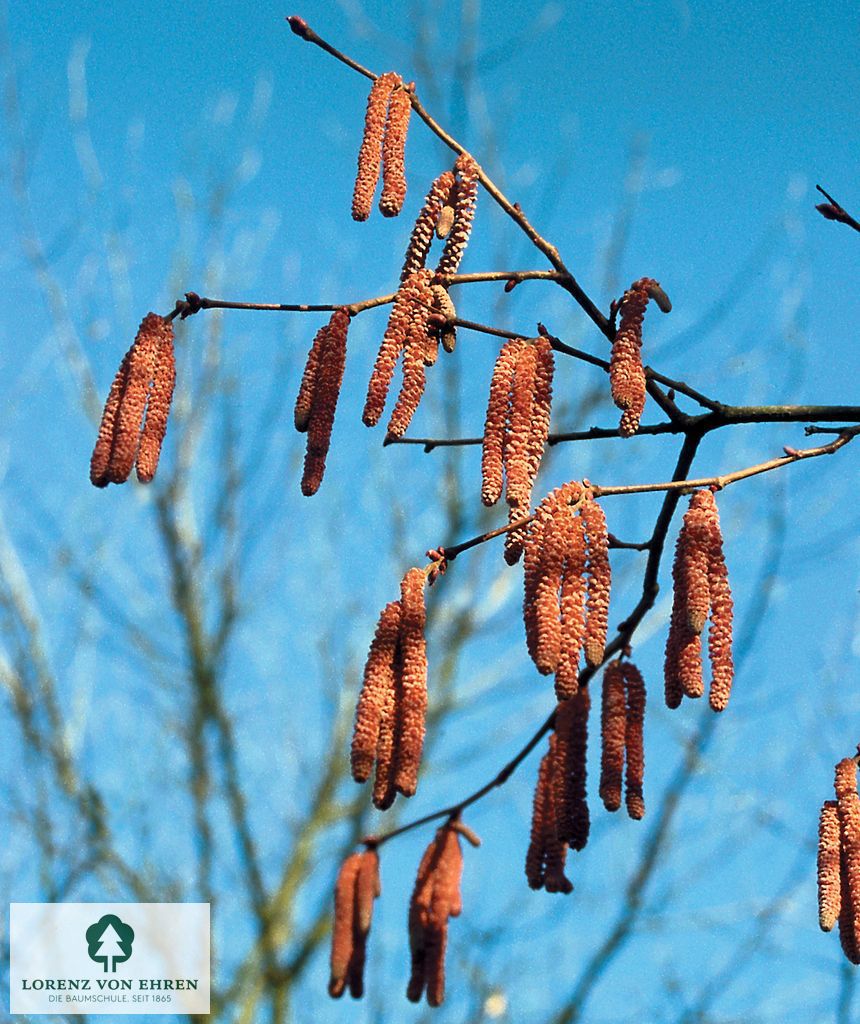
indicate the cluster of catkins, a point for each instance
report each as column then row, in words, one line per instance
column 386, row 123
column 701, row 585
column 389, row 719
column 621, row 720
column 626, row 372
column 356, row 888
column 516, row 429
column 560, row 812
column 318, row 395
column 567, row 580
column 839, row 860
column 435, row 898
column 134, row 421
column 422, row 314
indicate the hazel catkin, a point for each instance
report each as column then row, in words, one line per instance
column 326, row 391
column 425, row 223
column 599, row 582
column 634, row 752
column 356, row 888
column 436, row 897
column 157, row 408
column 612, row 733
column 413, row 706
column 465, row 200
column 393, row 149
column 378, row 684
column 495, row 423
column 370, row 153
column 147, row 373
column 626, row 372
column 829, row 853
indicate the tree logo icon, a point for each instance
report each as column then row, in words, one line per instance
column 109, row 941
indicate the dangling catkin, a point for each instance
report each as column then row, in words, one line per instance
column 571, row 728
column 516, row 446
column 829, row 883
column 464, row 213
column 547, row 611
column 370, row 153
column 413, row 707
column 435, row 898
column 305, row 397
column 414, row 356
column 393, row 343
column 599, row 582
column 428, row 218
column 378, row 684
column 613, row 726
column 119, row 435
column 546, row 855
column 355, row 890
column 158, row 408
column 633, row 741
column 848, row 808
column 342, row 935
column 572, row 606
column 626, row 373
column 541, row 407
column 393, row 148
column 721, row 624
column 495, row 423
column 326, row 391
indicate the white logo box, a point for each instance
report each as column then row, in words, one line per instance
column 109, row 958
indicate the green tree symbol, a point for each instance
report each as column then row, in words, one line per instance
column 109, row 941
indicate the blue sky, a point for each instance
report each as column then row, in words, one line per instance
column 140, row 122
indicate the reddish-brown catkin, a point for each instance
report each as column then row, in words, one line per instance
column 683, row 661
column 413, row 706
column 721, row 626
column 571, row 726
column 326, row 393
column 694, row 565
column 367, row 888
column 435, row 898
column 464, row 212
column 572, row 606
column 626, row 373
column 370, row 153
column 541, row 407
column 384, row 791
column 848, row 936
column 377, row 685
column 414, row 361
column 100, row 460
column 158, row 408
column 119, row 433
column 599, row 582
column 547, row 853
column 633, row 741
column 848, row 807
column 547, row 611
column 392, row 345
column 496, row 420
column 829, row 883
column 613, row 727
column 541, row 811
column 516, row 447
column 422, row 233
column 393, row 150
column 305, row 397
column 342, row 935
